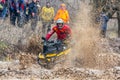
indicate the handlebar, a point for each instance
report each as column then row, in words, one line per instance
column 52, row 42
column 44, row 39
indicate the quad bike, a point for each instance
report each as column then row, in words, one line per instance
column 53, row 52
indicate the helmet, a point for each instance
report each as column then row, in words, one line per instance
column 63, row 5
column 59, row 23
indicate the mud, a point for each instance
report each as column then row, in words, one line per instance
column 11, row 71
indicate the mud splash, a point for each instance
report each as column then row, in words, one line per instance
column 90, row 50
column 86, row 37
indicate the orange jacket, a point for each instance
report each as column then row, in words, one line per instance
column 63, row 14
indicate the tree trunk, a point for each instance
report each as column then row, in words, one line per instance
column 118, row 17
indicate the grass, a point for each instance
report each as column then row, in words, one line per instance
column 3, row 45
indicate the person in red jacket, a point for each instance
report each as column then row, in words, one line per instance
column 63, row 31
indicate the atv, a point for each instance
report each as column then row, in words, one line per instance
column 53, row 52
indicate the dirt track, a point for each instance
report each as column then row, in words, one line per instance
column 11, row 71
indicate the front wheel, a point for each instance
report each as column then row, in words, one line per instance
column 45, row 63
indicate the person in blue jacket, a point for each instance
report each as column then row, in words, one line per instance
column 13, row 11
column 33, row 13
column 21, row 6
column 103, row 20
column 3, row 11
column 15, row 7
column 33, row 9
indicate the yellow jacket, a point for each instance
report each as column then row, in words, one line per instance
column 47, row 14
column 63, row 14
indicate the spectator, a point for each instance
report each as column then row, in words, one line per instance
column 62, row 13
column 33, row 12
column 103, row 20
column 47, row 16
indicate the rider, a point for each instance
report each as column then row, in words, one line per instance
column 62, row 13
column 63, row 31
